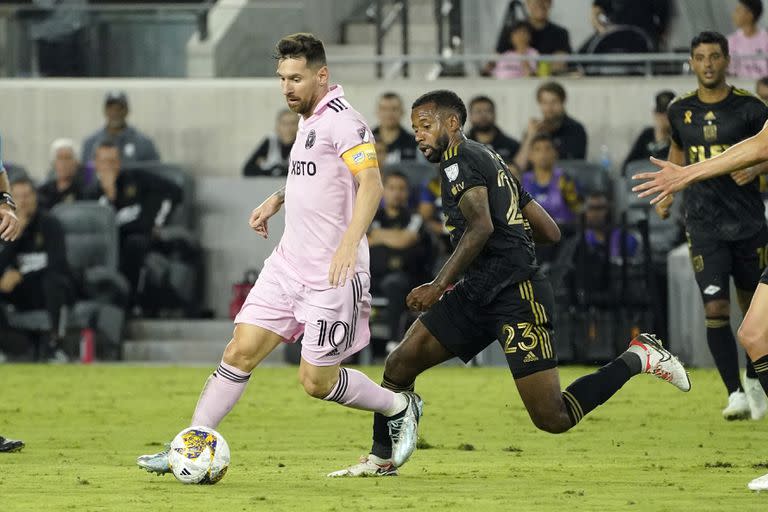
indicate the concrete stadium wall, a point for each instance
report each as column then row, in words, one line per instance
column 212, row 126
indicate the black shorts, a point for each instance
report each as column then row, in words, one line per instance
column 714, row 261
column 519, row 318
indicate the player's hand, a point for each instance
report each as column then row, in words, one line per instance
column 261, row 214
column 9, row 224
column 422, row 297
column 745, row 176
column 534, row 126
column 663, row 206
column 10, row 280
column 343, row 263
column 670, row 179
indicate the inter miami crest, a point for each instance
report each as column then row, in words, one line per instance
column 310, row 139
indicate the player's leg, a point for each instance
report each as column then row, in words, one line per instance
column 749, row 257
column 753, row 336
column 265, row 320
column 713, row 264
column 525, row 332
column 449, row 329
column 350, row 388
column 249, row 346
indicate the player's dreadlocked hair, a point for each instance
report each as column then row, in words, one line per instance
column 300, row 45
column 444, row 98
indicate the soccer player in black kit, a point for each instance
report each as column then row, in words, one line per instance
column 493, row 223
column 724, row 216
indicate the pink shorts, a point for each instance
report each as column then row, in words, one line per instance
column 334, row 321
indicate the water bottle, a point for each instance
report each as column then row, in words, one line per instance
column 605, row 158
column 87, row 345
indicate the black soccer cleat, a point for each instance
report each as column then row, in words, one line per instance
column 10, row 445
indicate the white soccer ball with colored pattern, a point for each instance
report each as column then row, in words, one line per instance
column 199, row 455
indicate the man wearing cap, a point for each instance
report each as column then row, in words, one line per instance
column 654, row 140
column 134, row 146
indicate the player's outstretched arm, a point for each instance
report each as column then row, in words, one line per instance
column 476, row 210
column 261, row 214
column 673, row 178
column 545, row 229
column 369, row 194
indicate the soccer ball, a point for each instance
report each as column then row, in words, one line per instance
column 199, row 455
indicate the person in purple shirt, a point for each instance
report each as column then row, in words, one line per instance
column 554, row 190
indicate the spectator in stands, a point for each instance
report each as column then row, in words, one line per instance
column 67, row 183
column 272, row 155
column 483, row 129
column 431, row 207
column 509, row 65
column 761, row 88
column 33, row 269
column 749, row 39
column 133, row 145
column 554, row 190
column 547, row 38
column 140, row 208
column 400, row 143
column 400, row 250
column 652, row 16
column 654, row 140
column 590, row 254
column 60, row 31
column 568, row 135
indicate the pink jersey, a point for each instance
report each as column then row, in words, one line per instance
column 739, row 44
column 331, row 146
column 507, row 66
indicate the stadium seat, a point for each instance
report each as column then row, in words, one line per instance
column 173, row 268
column 589, row 177
column 15, row 171
column 92, row 253
column 618, row 39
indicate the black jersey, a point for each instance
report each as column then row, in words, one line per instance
column 509, row 255
column 719, row 207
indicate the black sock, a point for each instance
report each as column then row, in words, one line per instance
column 589, row 391
column 751, row 374
column 382, row 444
column 722, row 346
column 761, row 369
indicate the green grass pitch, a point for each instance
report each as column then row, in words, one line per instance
column 650, row 448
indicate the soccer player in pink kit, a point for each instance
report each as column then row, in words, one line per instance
column 316, row 280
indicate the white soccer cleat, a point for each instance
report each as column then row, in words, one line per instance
column 738, row 407
column 758, row 403
column 759, row 484
column 658, row 361
column 369, row 465
column 155, row 463
column 404, row 431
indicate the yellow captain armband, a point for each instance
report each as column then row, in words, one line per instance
column 360, row 158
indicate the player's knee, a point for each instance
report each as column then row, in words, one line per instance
column 394, row 365
column 752, row 339
column 315, row 386
column 239, row 355
column 717, row 309
column 550, row 421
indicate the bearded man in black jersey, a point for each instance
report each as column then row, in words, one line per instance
column 724, row 216
column 502, row 296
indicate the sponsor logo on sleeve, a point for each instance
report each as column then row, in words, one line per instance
column 364, row 135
